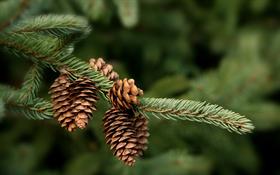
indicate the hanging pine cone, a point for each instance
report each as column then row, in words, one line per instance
column 126, row 134
column 73, row 103
column 84, row 96
column 61, row 102
column 124, row 93
column 105, row 69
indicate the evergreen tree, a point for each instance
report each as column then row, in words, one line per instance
column 181, row 53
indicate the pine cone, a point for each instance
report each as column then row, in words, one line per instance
column 124, row 93
column 105, row 69
column 126, row 134
column 84, row 97
column 73, row 103
column 61, row 102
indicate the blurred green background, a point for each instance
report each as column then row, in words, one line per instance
column 225, row 52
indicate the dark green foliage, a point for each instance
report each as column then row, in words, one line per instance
column 222, row 52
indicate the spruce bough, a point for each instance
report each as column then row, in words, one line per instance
column 48, row 41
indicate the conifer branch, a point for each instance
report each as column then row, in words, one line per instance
column 57, row 25
column 31, row 84
column 37, row 108
column 196, row 111
column 52, row 51
column 36, row 47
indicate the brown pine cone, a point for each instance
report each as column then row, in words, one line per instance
column 73, row 103
column 105, row 69
column 83, row 94
column 61, row 102
column 126, row 134
column 124, row 93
